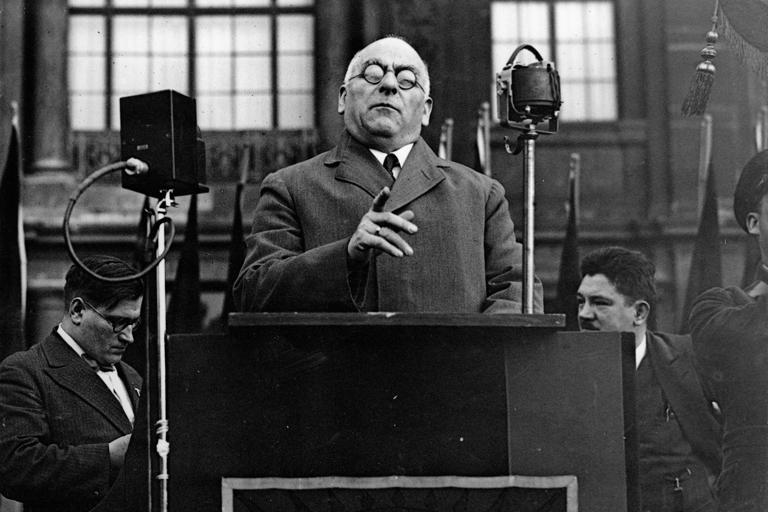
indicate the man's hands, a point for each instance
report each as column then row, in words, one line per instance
column 379, row 230
column 117, row 449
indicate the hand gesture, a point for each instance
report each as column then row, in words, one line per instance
column 379, row 230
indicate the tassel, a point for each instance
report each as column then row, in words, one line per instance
column 695, row 103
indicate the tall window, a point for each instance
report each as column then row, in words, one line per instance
column 578, row 36
column 248, row 63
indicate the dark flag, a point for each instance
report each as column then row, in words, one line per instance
column 12, row 250
column 236, row 255
column 185, row 311
column 706, row 264
column 483, row 140
column 569, row 278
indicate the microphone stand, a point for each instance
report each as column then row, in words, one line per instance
column 528, row 141
column 163, row 447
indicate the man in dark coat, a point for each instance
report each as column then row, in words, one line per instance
column 67, row 404
column 729, row 327
column 380, row 223
column 676, row 422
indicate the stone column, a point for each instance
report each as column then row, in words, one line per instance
column 47, row 130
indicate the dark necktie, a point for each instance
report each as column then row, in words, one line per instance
column 95, row 364
column 390, row 162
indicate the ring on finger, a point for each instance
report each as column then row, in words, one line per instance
column 377, row 231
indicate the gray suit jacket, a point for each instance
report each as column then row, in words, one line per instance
column 57, row 420
column 466, row 258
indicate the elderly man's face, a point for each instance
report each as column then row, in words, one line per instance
column 385, row 116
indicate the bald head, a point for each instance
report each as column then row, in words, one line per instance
column 385, row 95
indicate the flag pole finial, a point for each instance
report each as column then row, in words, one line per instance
column 695, row 103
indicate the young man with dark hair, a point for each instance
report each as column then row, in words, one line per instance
column 676, row 424
column 67, row 404
column 729, row 327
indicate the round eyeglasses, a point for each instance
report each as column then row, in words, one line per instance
column 374, row 74
column 118, row 324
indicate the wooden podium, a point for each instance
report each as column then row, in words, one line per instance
column 368, row 411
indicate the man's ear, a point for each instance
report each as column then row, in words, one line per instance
column 76, row 310
column 642, row 311
column 427, row 112
column 342, row 99
column 753, row 223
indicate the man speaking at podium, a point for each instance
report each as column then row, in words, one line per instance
column 380, row 223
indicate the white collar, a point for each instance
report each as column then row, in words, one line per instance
column 70, row 341
column 640, row 351
column 401, row 154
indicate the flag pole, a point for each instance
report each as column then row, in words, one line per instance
column 705, row 157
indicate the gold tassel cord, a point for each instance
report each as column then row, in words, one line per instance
column 695, row 103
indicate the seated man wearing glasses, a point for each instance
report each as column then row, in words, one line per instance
column 67, row 404
column 380, row 223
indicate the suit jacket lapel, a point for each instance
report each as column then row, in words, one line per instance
column 677, row 377
column 74, row 374
column 421, row 172
column 355, row 164
column 132, row 383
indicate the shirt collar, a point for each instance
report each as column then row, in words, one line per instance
column 640, row 351
column 70, row 341
column 401, row 154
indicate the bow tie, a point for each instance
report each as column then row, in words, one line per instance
column 96, row 366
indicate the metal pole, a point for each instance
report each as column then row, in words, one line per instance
column 162, row 422
column 528, row 215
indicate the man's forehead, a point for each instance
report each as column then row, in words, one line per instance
column 390, row 51
column 598, row 284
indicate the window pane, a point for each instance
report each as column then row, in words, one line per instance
column 87, row 111
column 233, row 3
column 86, row 3
column 294, row 3
column 169, row 35
column 252, row 74
column 296, row 111
column 169, row 73
column 599, row 19
column 87, row 74
column 214, row 112
column 149, row 3
column 131, row 35
column 253, row 34
column 214, row 74
column 603, row 101
column 601, row 61
column 294, row 33
column 574, row 101
column 130, row 73
column 87, row 35
column 253, row 111
column 295, row 74
column 214, row 35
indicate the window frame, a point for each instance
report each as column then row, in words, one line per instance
column 552, row 45
column 108, row 11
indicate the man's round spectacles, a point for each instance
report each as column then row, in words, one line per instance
column 374, row 74
column 118, row 324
